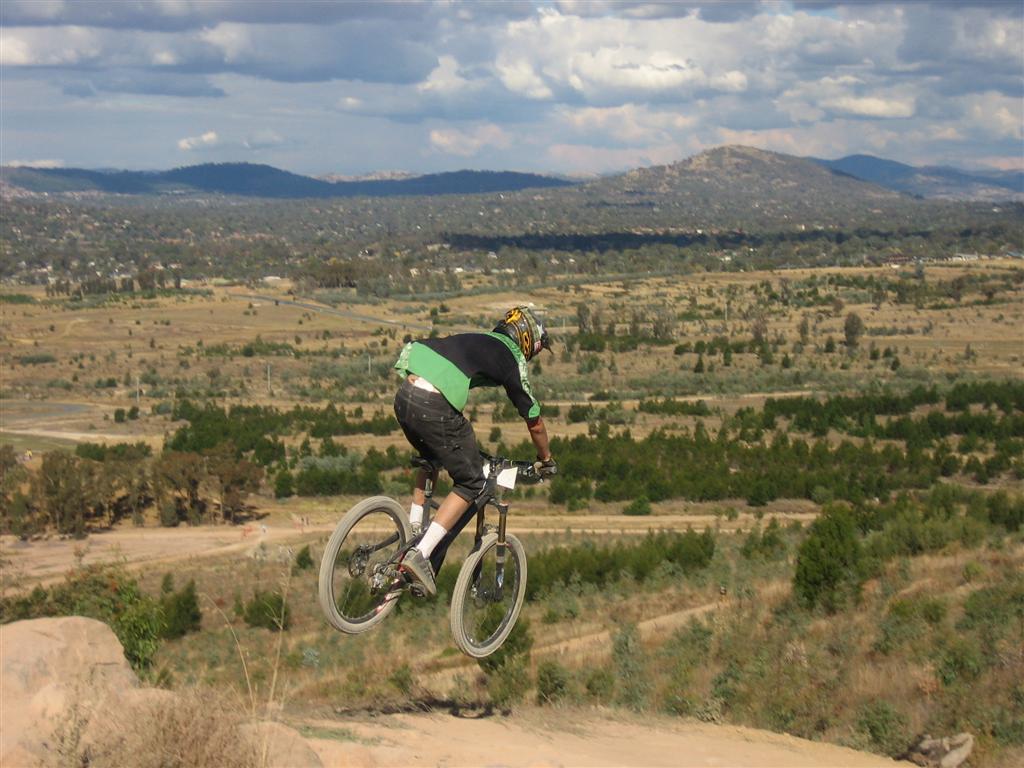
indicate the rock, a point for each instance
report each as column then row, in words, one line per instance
column 69, row 697
column 961, row 744
column 949, row 752
column 282, row 746
column 55, row 673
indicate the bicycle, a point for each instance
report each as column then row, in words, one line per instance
column 360, row 581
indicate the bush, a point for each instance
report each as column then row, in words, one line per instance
column 885, row 727
column 268, row 610
column 303, row 560
column 638, row 507
column 509, row 682
column 829, row 563
column 102, row 592
column 181, row 612
column 284, row 485
column 552, row 682
column 628, row 661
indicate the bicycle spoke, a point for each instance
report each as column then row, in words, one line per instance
column 492, row 598
column 363, row 574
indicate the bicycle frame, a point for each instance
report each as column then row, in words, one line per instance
column 492, row 494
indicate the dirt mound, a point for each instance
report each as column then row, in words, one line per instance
column 68, row 696
column 551, row 737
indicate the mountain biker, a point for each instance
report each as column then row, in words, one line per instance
column 439, row 373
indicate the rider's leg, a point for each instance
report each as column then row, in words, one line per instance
column 452, row 508
column 419, row 498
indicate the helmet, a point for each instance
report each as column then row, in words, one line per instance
column 522, row 325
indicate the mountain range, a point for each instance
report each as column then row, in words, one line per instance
column 721, row 176
column 938, row 182
column 251, row 180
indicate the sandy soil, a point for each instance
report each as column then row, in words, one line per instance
column 550, row 738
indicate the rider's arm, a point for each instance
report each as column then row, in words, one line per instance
column 539, row 435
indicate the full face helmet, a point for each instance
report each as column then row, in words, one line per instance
column 522, row 325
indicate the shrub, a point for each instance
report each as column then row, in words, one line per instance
column 552, row 682
column 600, row 684
column 509, row 682
column 181, row 612
column 284, row 485
column 885, row 727
column 102, row 592
column 627, row 658
column 268, row 610
column 638, row 507
column 516, row 645
column 303, row 560
column 829, row 563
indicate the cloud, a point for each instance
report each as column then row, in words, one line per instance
column 469, row 142
column 607, row 80
column 207, row 140
column 141, row 82
column 629, row 124
column 34, row 163
column 871, row 106
column 264, row 139
column 182, row 15
column 996, row 116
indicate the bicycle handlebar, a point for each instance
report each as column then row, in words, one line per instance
column 525, row 471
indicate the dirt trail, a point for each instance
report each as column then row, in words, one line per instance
column 46, row 561
column 549, row 738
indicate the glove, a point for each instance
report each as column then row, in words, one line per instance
column 546, row 468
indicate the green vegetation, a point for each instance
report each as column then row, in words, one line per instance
column 106, row 593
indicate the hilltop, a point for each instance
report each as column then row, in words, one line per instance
column 739, row 186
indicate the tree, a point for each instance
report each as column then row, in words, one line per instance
column 829, row 568
column 853, row 329
column 61, row 487
column 181, row 474
column 236, row 478
column 284, row 485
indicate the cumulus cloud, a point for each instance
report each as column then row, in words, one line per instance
column 871, row 106
column 607, row 80
column 203, row 141
column 469, row 142
column 628, row 124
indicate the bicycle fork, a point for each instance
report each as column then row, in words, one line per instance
column 500, row 551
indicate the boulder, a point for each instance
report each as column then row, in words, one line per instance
column 54, row 674
column 69, row 696
column 949, row 752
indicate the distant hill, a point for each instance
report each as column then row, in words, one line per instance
column 932, row 181
column 250, row 180
column 737, row 185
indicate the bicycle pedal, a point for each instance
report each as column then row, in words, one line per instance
column 418, row 590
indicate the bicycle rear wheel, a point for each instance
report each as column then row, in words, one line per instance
column 488, row 596
column 357, row 572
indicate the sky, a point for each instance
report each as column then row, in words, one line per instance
column 570, row 87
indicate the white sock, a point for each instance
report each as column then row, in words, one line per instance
column 416, row 513
column 430, row 539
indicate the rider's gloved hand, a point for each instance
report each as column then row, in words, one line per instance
column 545, row 467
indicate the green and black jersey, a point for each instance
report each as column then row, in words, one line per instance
column 455, row 364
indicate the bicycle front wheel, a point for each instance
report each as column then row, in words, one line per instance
column 488, row 595
column 358, row 577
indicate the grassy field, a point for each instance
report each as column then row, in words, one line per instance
column 930, row 642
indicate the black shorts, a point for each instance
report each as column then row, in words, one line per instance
column 441, row 433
